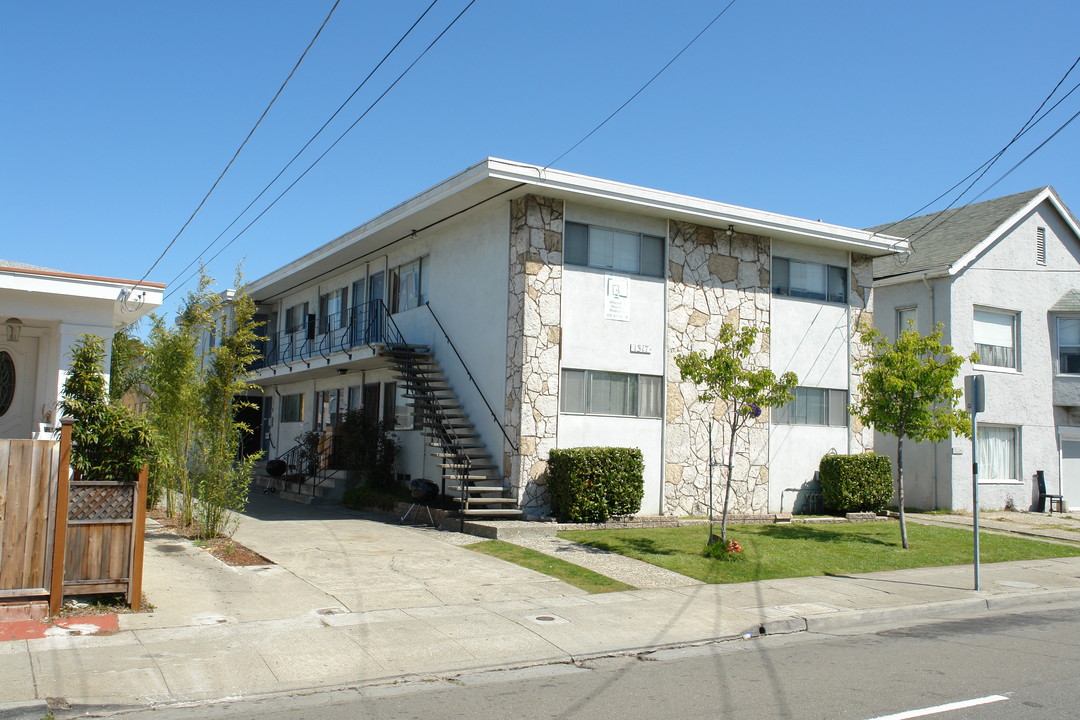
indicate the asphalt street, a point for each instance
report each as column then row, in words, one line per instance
column 986, row 667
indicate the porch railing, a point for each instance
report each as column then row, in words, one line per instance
column 319, row 338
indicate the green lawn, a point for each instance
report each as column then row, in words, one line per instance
column 567, row 572
column 801, row 550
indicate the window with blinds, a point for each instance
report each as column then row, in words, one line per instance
column 996, row 338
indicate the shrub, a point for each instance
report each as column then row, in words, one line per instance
column 369, row 449
column 856, row 483
column 591, row 484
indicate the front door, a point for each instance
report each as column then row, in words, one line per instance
column 1070, row 474
column 18, row 384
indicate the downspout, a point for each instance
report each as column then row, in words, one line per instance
column 663, row 394
column 933, row 321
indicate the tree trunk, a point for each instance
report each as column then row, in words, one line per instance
column 727, row 487
column 900, row 488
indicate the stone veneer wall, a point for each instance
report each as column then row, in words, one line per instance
column 712, row 279
column 861, row 304
column 533, row 344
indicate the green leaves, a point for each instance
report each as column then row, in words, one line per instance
column 591, row 484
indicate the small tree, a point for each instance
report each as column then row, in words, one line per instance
column 743, row 390
column 907, row 390
column 108, row 441
column 124, row 363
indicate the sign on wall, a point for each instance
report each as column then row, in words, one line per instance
column 615, row 299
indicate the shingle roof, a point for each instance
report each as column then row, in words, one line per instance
column 23, row 266
column 1069, row 302
column 951, row 235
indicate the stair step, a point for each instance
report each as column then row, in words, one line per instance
column 487, row 512
column 477, row 457
column 468, row 466
column 488, row 501
column 497, row 487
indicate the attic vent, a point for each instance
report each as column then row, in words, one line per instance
column 1040, row 245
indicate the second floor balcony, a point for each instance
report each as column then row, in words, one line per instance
column 322, row 337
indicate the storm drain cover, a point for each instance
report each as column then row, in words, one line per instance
column 548, row 619
column 1017, row 584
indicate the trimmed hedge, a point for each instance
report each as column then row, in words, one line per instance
column 856, row 483
column 591, row 484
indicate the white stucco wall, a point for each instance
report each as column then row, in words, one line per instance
column 591, row 342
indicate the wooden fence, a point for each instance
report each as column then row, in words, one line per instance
column 66, row 536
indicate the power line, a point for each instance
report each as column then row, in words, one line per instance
column 643, row 87
column 306, row 145
column 332, row 145
column 1026, row 157
column 237, row 153
column 1028, row 125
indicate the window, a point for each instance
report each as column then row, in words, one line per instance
column 389, row 398
column 408, row 286
column 795, row 278
column 292, row 408
column 327, row 408
column 403, row 414
column 814, row 406
column 1068, row 337
column 995, row 338
column 1040, row 246
column 905, row 319
column 595, row 392
column 332, row 307
column 607, row 249
column 998, row 453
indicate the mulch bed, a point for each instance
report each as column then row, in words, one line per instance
column 225, row 549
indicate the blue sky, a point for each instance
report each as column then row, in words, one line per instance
column 118, row 116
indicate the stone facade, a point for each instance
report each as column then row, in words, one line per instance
column 533, row 344
column 713, row 278
column 861, row 302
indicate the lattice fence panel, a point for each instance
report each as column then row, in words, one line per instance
column 101, row 502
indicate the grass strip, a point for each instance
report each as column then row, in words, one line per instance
column 579, row 577
column 798, row 550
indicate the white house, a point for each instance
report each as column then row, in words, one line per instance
column 518, row 309
column 1003, row 277
column 42, row 314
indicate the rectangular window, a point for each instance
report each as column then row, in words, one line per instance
column 403, row 414
column 814, row 406
column 1068, row 337
column 995, row 338
column 332, row 308
column 389, row 398
column 596, row 392
column 292, row 408
column 905, row 320
column 407, row 287
column 999, row 453
column 327, row 408
column 814, row 281
column 615, row 250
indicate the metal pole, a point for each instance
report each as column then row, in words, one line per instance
column 710, row 483
column 975, row 492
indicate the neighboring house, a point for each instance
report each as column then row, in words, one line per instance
column 42, row 314
column 1003, row 277
column 548, row 308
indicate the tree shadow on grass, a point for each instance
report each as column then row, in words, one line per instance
column 810, row 533
column 646, row 546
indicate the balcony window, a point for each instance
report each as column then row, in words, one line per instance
column 1068, row 337
column 408, row 286
column 332, row 307
column 995, row 338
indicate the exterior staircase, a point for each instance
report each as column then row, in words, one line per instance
column 472, row 478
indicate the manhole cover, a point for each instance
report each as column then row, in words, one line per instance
column 548, row 619
column 331, row 611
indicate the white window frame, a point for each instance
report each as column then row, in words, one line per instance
column 833, row 402
column 409, row 285
column 644, row 392
column 1070, row 348
column 987, row 469
column 903, row 314
column 291, row 406
column 624, row 259
column 986, row 356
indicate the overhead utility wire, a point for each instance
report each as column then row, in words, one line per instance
column 643, row 87
column 1028, row 156
column 332, row 145
column 245, row 142
column 306, row 145
column 1028, row 125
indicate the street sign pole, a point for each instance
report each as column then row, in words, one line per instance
column 975, row 397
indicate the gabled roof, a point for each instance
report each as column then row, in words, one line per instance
column 1069, row 302
column 23, row 266
column 939, row 240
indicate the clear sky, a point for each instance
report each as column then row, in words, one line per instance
column 118, row 116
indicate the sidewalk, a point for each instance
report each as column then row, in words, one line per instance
column 354, row 600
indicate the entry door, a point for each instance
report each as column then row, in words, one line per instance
column 18, row 384
column 1070, row 474
column 375, row 295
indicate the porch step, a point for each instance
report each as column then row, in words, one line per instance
column 490, row 512
column 466, row 466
